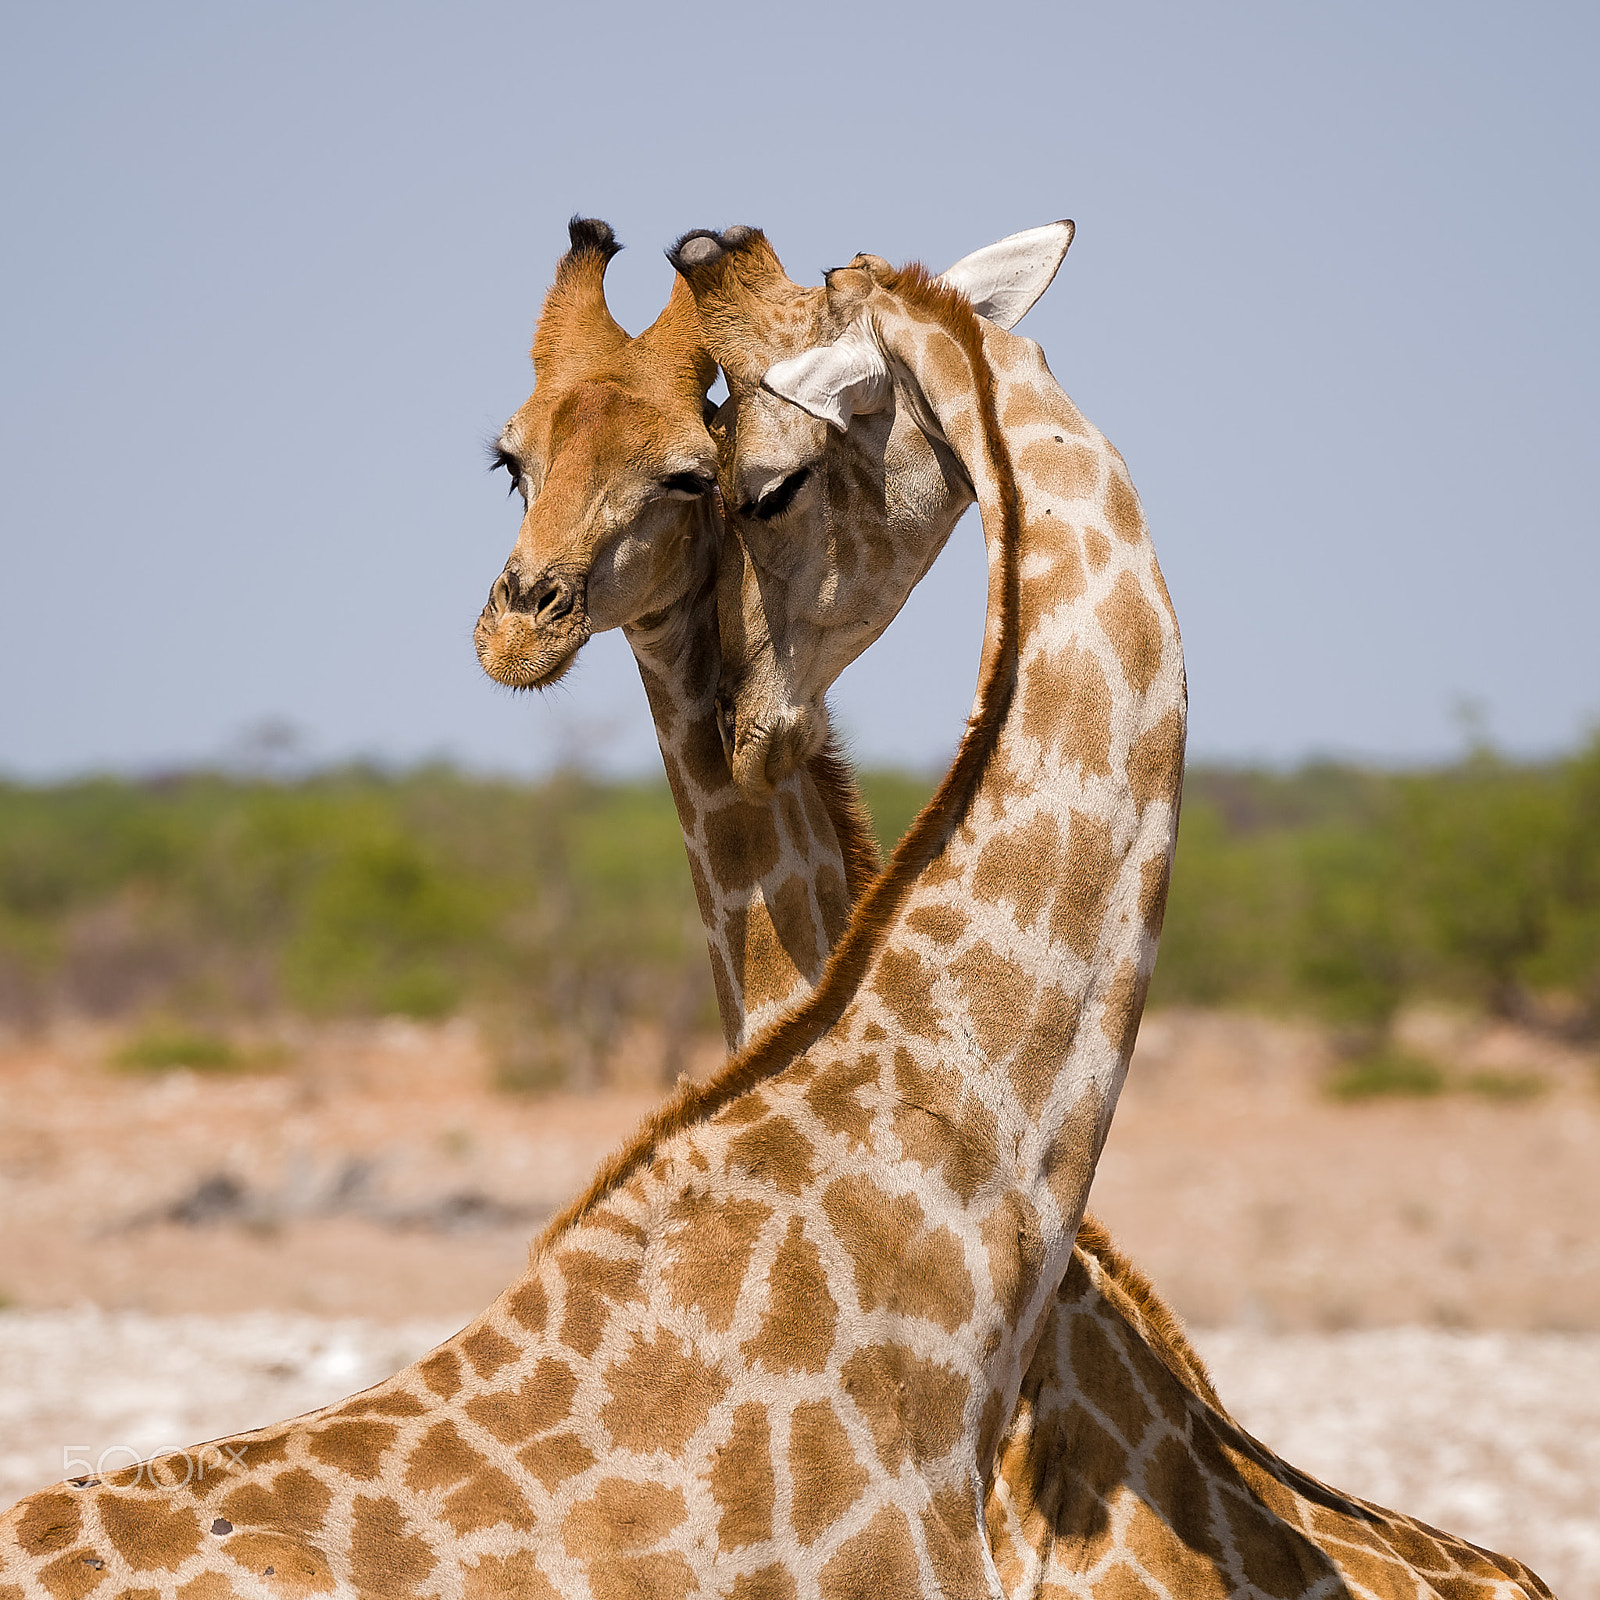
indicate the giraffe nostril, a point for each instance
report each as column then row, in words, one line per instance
column 502, row 596
column 553, row 600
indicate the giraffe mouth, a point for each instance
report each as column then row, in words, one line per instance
column 528, row 636
column 764, row 751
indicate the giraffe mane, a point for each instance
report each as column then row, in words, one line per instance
column 792, row 1034
column 1133, row 1294
column 847, row 811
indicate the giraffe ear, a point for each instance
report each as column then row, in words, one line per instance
column 1003, row 280
column 834, row 381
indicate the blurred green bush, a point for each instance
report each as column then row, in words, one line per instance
column 566, row 908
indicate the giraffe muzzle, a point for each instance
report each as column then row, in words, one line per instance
column 528, row 633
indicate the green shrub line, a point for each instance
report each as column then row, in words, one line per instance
column 563, row 910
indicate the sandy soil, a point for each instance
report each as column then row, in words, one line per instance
column 1403, row 1296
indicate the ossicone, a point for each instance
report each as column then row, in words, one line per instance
column 704, row 247
column 591, row 236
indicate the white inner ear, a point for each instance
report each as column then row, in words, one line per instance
column 834, row 381
column 1003, row 279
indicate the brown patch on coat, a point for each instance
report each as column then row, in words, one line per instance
column 741, row 1480
column 912, row 1406
column 441, row 1458
column 73, row 1576
column 385, row 1559
column 149, row 1533
column 442, row 1373
column 1018, row 865
column 354, row 1449
column 653, row 1577
column 1096, row 549
column 713, row 1238
column 555, row 1458
column 954, row 1543
column 1275, row 1559
column 776, row 1152
column 593, row 1285
column 1155, row 762
column 827, row 1479
column 880, row 1560
column 1086, row 876
column 496, row 1577
column 1070, row 1161
column 614, row 1222
column 1122, row 505
column 294, row 1502
column 704, row 757
column 487, row 1499
column 1066, row 471
column 1119, row 1021
column 766, row 1583
column 743, row 841
column 791, row 919
column 487, row 1350
column 1134, row 629
column 1102, row 1372
column 49, row 1521
column 208, row 1586
column 1177, row 1492
column 899, row 1263
column 834, row 1098
column 1054, row 1025
column 941, row 1126
column 1066, row 705
column 904, row 982
column 292, row 1566
column 543, row 1399
column 394, row 1403
column 528, row 1304
column 797, row 1331
column 1153, row 877
column 998, row 993
column 940, row 921
column 621, row 1515
column 1014, row 1243
column 661, row 1395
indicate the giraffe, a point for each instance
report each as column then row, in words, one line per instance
column 621, row 527
column 1110, row 1343
column 770, row 1350
column 1124, row 1475
column 1121, row 1473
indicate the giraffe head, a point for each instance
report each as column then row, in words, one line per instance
column 616, row 470
column 840, row 488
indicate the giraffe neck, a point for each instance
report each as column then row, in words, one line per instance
column 1029, row 938
column 774, row 882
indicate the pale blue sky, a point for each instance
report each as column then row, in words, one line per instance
column 270, row 275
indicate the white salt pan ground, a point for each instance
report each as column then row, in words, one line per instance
column 1492, row 1435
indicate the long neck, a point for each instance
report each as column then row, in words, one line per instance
column 1029, row 938
column 774, row 882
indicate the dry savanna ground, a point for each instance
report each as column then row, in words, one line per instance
column 1403, row 1295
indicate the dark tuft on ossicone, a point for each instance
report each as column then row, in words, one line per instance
column 591, row 236
column 699, row 247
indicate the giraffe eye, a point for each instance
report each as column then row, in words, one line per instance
column 776, row 500
column 502, row 460
column 686, row 486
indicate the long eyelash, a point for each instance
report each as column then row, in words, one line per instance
column 687, row 483
column 502, row 460
column 776, row 501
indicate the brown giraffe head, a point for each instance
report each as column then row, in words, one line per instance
column 616, row 470
column 837, row 504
